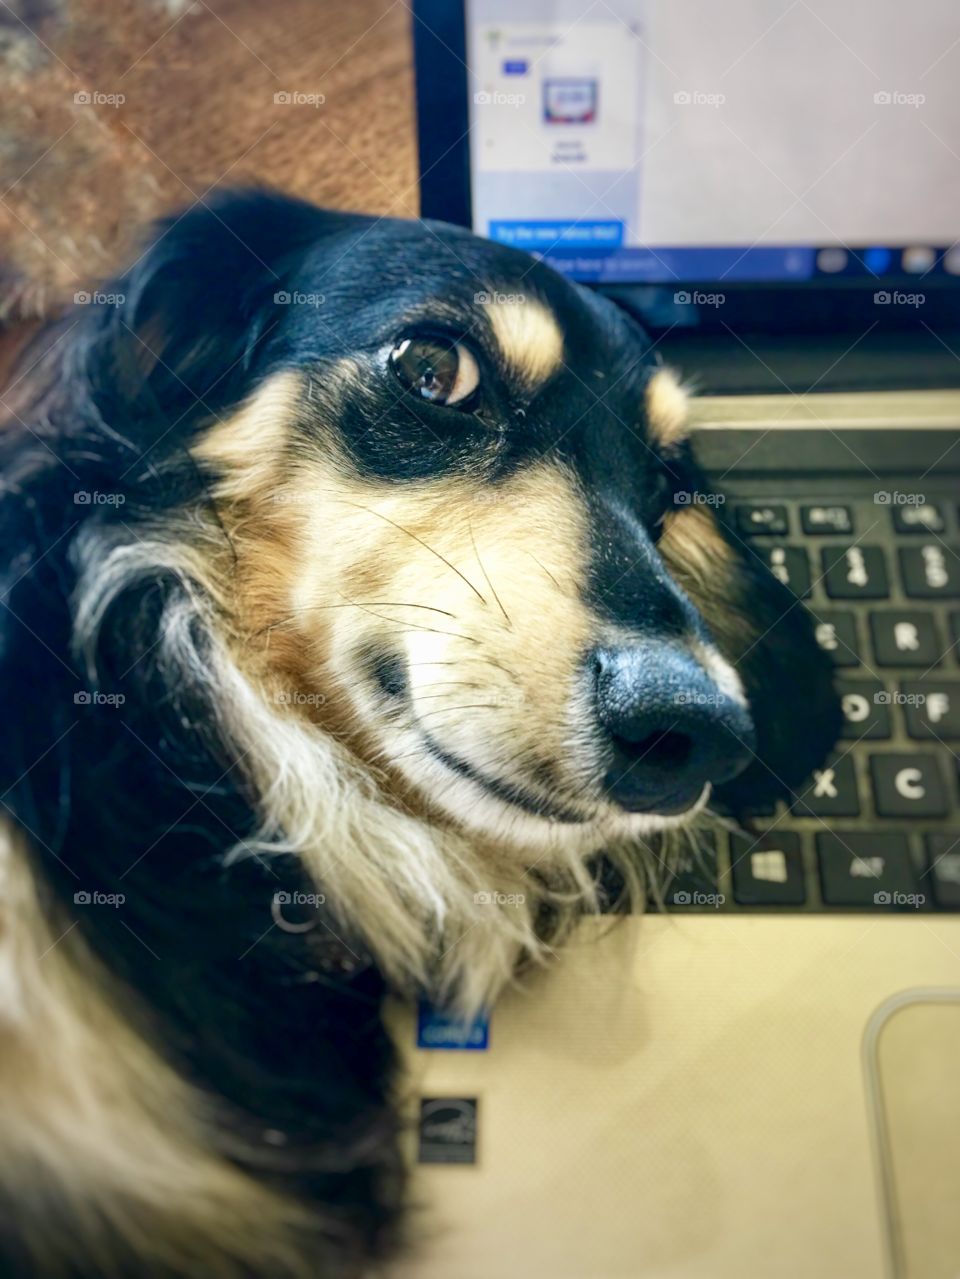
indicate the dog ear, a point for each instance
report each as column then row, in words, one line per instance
column 184, row 324
column 766, row 632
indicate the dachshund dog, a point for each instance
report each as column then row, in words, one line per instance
column 347, row 592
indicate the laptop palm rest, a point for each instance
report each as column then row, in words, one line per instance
column 686, row 1098
column 913, row 1055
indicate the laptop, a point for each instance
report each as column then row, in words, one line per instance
column 760, row 1077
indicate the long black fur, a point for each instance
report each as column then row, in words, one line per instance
column 141, row 798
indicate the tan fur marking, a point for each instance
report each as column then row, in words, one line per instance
column 528, row 334
column 695, row 550
column 667, row 411
column 248, row 448
column 91, row 1115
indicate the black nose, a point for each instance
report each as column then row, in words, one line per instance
column 670, row 728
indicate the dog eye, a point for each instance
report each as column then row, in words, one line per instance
column 438, row 371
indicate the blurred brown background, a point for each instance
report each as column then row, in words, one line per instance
column 118, row 110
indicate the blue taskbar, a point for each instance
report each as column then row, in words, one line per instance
column 594, row 252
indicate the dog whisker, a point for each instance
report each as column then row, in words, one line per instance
column 486, row 577
column 545, row 570
column 312, row 608
column 433, row 551
column 470, row 706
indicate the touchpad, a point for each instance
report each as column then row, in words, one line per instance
column 913, row 1060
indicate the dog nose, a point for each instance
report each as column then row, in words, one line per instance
column 670, row 728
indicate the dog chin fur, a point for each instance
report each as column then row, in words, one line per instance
column 418, row 888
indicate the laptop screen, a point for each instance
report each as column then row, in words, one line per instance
column 646, row 141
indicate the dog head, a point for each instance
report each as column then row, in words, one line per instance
column 435, row 493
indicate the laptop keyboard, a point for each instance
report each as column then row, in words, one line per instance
column 878, row 826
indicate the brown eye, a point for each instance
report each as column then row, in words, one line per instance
column 438, row 371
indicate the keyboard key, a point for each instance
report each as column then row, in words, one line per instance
column 921, row 517
column 789, row 565
column 831, row 792
column 756, row 519
column 943, row 868
column 767, row 871
column 931, row 571
column 908, row 786
column 862, row 869
column 694, row 883
column 826, row 519
column 855, row 572
column 866, row 709
column 955, row 634
column 836, row 633
column 904, row 637
column 932, row 709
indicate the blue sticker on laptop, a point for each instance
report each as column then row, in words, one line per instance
column 437, row 1029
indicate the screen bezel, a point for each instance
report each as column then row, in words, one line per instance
column 804, row 306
